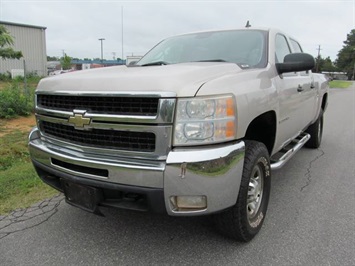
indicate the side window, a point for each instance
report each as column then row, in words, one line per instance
column 296, row 47
column 282, row 49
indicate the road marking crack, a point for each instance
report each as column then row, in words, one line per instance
column 308, row 173
column 23, row 219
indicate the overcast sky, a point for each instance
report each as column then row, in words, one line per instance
column 75, row 26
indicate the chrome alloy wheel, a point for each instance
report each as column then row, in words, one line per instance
column 255, row 192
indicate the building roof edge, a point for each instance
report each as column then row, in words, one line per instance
column 21, row 25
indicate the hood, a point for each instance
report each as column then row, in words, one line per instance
column 182, row 79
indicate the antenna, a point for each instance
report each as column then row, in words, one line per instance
column 122, row 30
column 248, row 24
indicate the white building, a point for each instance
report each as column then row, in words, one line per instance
column 31, row 41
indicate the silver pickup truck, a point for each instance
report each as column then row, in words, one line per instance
column 193, row 128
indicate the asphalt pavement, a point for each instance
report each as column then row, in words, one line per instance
column 310, row 220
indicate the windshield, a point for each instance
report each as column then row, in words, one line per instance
column 247, row 48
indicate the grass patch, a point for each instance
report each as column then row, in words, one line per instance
column 20, row 187
column 13, row 149
column 342, row 84
column 4, row 84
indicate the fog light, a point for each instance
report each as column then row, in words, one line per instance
column 189, row 203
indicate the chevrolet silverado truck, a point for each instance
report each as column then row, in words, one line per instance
column 195, row 127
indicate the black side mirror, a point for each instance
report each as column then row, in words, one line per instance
column 296, row 62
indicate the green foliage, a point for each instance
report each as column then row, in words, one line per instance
column 9, row 53
column 16, row 100
column 22, row 175
column 31, row 77
column 52, row 58
column 325, row 64
column 340, row 84
column 13, row 149
column 346, row 56
column 19, row 184
column 65, row 62
column 7, row 40
column 5, row 76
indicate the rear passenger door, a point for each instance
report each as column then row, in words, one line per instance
column 293, row 89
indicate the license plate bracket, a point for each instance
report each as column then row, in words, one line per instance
column 84, row 197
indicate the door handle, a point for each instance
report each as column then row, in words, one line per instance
column 312, row 85
column 299, row 88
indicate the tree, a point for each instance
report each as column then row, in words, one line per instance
column 65, row 62
column 325, row 64
column 346, row 56
column 7, row 40
column 52, row 58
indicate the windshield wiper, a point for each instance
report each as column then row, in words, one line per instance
column 157, row 63
column 211, row 60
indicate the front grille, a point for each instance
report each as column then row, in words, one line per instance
column 101, row 105
column 100, row 138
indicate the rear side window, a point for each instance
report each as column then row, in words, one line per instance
column 296, row 47
column 282, row 48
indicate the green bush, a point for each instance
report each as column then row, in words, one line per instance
column 15, row 100
column 31, row 77
column 5, row 76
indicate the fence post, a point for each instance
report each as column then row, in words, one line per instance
column 25, row 79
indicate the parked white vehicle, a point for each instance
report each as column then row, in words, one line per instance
column 194, row 128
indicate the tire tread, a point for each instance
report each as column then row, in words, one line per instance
column 232, row 221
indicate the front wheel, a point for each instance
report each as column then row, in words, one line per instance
column 244, row 220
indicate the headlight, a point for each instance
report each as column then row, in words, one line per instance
column 203, row 120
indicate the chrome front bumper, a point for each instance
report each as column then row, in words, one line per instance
column 214, row 172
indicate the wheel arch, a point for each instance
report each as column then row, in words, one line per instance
column 263, row 129
column 324, row 102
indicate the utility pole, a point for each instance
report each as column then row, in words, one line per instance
column 122, row 29
column 318, row 58
column 102, row 50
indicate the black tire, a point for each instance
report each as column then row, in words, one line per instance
column 316, row 132
column 242, row 222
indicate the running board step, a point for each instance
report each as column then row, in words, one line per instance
column 279, row 159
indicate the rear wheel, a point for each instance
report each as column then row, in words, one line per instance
column 316, row 132
column 244, row 220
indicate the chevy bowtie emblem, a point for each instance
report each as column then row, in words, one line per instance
column 79, row 121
